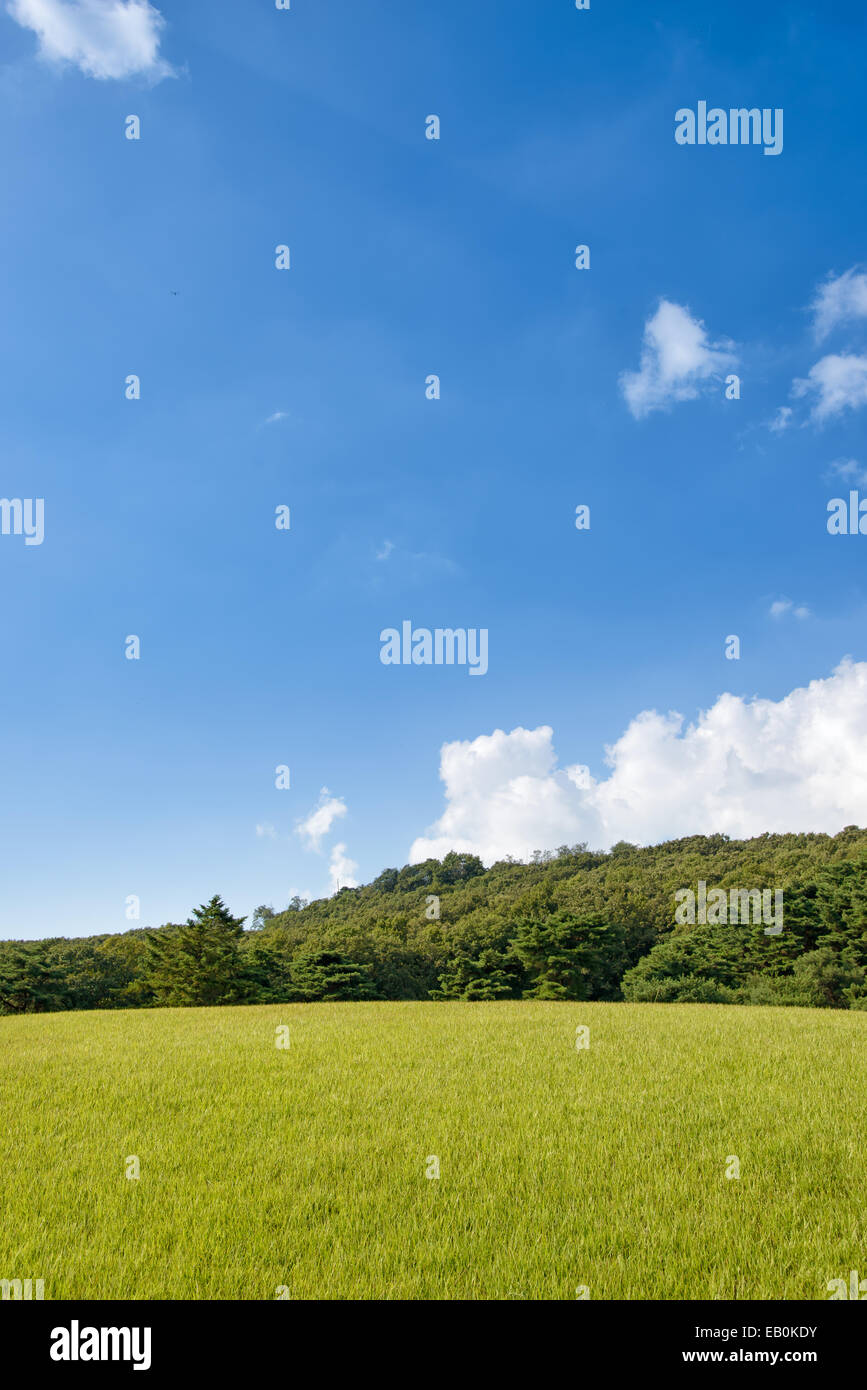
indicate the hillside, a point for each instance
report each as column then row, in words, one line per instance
column 572, row 924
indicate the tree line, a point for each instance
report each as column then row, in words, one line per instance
column 570, row 924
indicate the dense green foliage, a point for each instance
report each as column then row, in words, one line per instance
column 573, row 924
column 200, row 962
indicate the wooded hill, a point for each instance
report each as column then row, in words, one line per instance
column 571, row 924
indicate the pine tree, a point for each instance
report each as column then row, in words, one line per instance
column 199, row 963
column 30, row 981
column 328, row 975
column 570, row 957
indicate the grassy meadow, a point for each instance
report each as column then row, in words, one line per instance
column 303, row 1168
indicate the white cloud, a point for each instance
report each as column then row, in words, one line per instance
column 781, row 420
column 278, row 415
column 675, row 357
column 836, row 382
column 104, row 38
column 850, row 470
column 841, row 299
column 266, row 832
column 315, row 826
column 743, row 767
column 414, row 566
column 341, row 869
column 785, row 605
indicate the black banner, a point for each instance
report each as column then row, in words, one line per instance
column 82, row 1339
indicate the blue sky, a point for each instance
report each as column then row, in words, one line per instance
column 409, row 257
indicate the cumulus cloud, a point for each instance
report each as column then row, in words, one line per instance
column 781, row 420
column 104, row 38
column 743, row 767
column 315, row 826
column 341, row 869
column 835, row 383
column 841, row 299
column 676, row 357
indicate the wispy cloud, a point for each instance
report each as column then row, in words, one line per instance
column 342, row 869
column 839, row 300
column 415, row 566
column 278, row 415
column 676, row 357
column 781, row 420
column 315, row 826
column 106, row 39
column 850, row 470
column 836, row 383
column 781, row 606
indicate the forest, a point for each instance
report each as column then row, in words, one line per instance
column 570, row 924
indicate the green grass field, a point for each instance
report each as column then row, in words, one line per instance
column 305, row 1167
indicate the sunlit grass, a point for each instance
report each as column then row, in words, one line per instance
column 305, row 1167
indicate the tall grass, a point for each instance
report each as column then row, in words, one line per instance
column 304, row 1168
